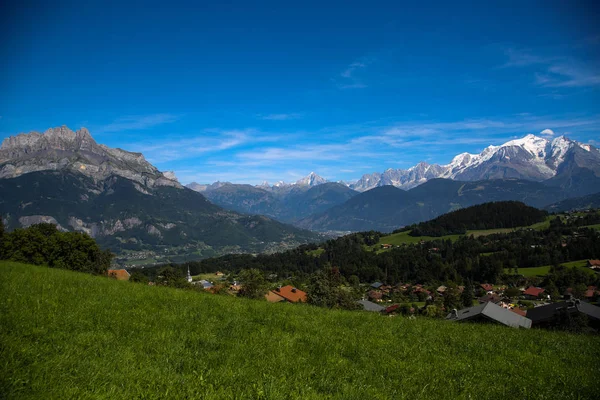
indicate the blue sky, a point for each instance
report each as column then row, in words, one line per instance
column 253, row 91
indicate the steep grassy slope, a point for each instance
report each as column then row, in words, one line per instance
column 69, row 335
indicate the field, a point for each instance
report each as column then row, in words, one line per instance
column 543, row 271
column 405, row 238
column 68, row 335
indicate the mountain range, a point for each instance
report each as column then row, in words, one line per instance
column 66, row 178
column 530, row 158
column 532, row 169
column 141, row 213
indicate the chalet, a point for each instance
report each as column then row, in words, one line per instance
column 286, row 293
column 273, row 297
column 219, row 273
column 375, row 295
column 533, row 293
column 206, row 285
column 376, row 285
column 555, row 313
column 370, row 306
column 490, row 312
column 391, row 309
column 386, row 246
column 487, row 287
column 118, row 274
column 594, row 264
column 441, row 289
column 491, row 298
column 591, row 292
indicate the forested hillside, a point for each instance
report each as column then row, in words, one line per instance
column 503, row 214
column 483, row 258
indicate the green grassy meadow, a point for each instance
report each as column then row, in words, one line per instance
column 67, row 335
column 400, row 238
column 543, row 271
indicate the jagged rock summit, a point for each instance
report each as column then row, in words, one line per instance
column 63, row 149
column 311, row 180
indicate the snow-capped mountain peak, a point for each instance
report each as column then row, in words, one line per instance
column 530, row 157
column 311, row 179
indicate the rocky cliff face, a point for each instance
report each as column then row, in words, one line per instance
column 62, row 149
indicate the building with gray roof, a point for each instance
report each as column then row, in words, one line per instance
column 490, row 312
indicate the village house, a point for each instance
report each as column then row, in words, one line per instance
column 594, row 264
column 370, row 306
column 555, row 313
column 488, row 287
column 286, row 293
column 118, row 274
column 490, row 312
column 533, row 293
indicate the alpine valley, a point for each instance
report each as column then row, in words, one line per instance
column 143, row 215
column 146, row 216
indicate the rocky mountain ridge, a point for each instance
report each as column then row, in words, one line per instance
column 61, row 149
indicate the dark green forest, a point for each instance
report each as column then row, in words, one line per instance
column 476, row 259
column 503, row 214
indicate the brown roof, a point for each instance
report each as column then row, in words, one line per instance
column 594, row 263
column 534, row 291
column 273, row 297
column 522, row 313
column 119, row 274
column 291, row 294
column 487, row 286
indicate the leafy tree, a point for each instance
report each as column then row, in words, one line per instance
column 169, row 276
column 139, row 277
column 325, row 291
column 254, row 285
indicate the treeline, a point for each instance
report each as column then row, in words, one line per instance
column 479, row 259
column 503, row 214
column 43, row 244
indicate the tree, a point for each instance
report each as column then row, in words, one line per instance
column 169, row 276
column 325, row 291
column 466, row 297
column 254, row 285
column 139, row 277
column 452, row 297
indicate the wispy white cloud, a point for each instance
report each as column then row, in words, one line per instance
column 171, row 149
column 554, row 72
column 279, row 117
column 569, row 75
column 547, row 132
column 350, row 77
column 137, row 122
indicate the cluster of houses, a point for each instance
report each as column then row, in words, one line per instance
column 494, row 305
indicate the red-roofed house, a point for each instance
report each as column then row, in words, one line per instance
column 594, row 264
column 532, row 292
column 487, row 287
column 591, row 292
column 118, row 274
column 522, row 313
column 391, row 309
column 288, row 293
